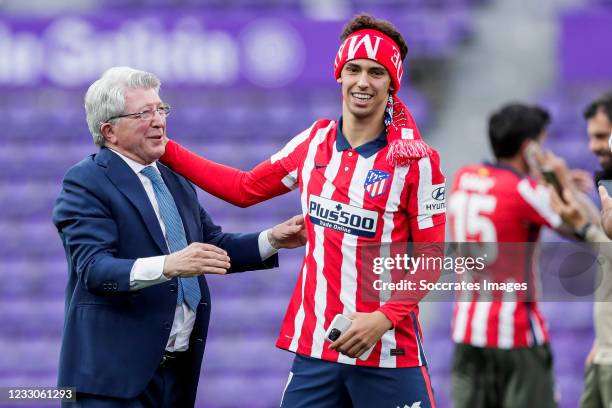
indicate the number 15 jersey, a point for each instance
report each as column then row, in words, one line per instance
column 496, row 205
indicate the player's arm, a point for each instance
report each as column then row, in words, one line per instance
column 587, row 209
column 538, row 207
column 568, row 183
column 429, row 244
column 273, row 177
column 571, row 210
column 241, row 188
column 427, row 231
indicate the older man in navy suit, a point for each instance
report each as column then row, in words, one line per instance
column 138, row 244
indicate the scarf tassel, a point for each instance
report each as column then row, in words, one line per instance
column 402, row 152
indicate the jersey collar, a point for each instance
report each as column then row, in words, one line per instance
column 366, row 150
column 503, row 166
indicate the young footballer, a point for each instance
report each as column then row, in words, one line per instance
column 364, row 179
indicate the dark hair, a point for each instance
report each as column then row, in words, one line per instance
column 512, row 125
column 363, row 21
column 604, row 102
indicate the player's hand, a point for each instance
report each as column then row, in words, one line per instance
column 196, row 259
column 558, row 166
column 570, row 211
column 289, row 234
column 582, row 179
column 366, row 329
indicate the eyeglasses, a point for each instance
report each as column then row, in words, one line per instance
column 163, row 110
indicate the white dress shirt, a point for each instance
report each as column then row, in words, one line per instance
column 149, row 271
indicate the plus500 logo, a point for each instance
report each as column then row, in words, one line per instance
column 342, row 217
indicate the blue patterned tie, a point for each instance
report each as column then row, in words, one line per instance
column 188, row 288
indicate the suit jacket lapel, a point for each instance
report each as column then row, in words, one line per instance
column 128, row 183
column 182, row 200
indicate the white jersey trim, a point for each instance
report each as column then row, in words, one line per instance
column 290, row 180
column 291, row 146
column 505, row 329
column 425, row 219
column 461, row 321
column 479, row 323
column 539, row 200
column 389, row 341
column 320, row 295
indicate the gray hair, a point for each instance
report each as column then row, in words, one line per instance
column 105, row 98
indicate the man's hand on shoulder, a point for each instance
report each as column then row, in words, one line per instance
column 289, row 234
column 196, row 259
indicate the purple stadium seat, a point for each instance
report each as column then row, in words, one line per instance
column 261, row 391
column 30, row 355
column 258, row 314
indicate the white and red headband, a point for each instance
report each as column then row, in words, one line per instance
column 373, row 45
column 405, row 143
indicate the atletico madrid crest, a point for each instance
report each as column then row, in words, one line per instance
column 376, row 182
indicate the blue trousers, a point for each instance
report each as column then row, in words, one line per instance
column 315, row 383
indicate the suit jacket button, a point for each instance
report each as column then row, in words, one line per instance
column 199, row 340
column 203, row 303
column 172, row 287
column 167, row 325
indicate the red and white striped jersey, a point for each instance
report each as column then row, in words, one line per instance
column 351, row 198
column 494, row 204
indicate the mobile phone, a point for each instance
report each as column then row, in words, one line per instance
column 607, row 184
column 551, row 178
column 530, row 153
column 338, row 327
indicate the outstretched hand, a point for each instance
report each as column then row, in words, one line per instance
column 289, row 234
column 196, row 259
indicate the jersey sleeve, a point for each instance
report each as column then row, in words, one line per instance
column 536, row 206
column 427, row 217
column 401, row 303
column 270, row 178
column 426, row 196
